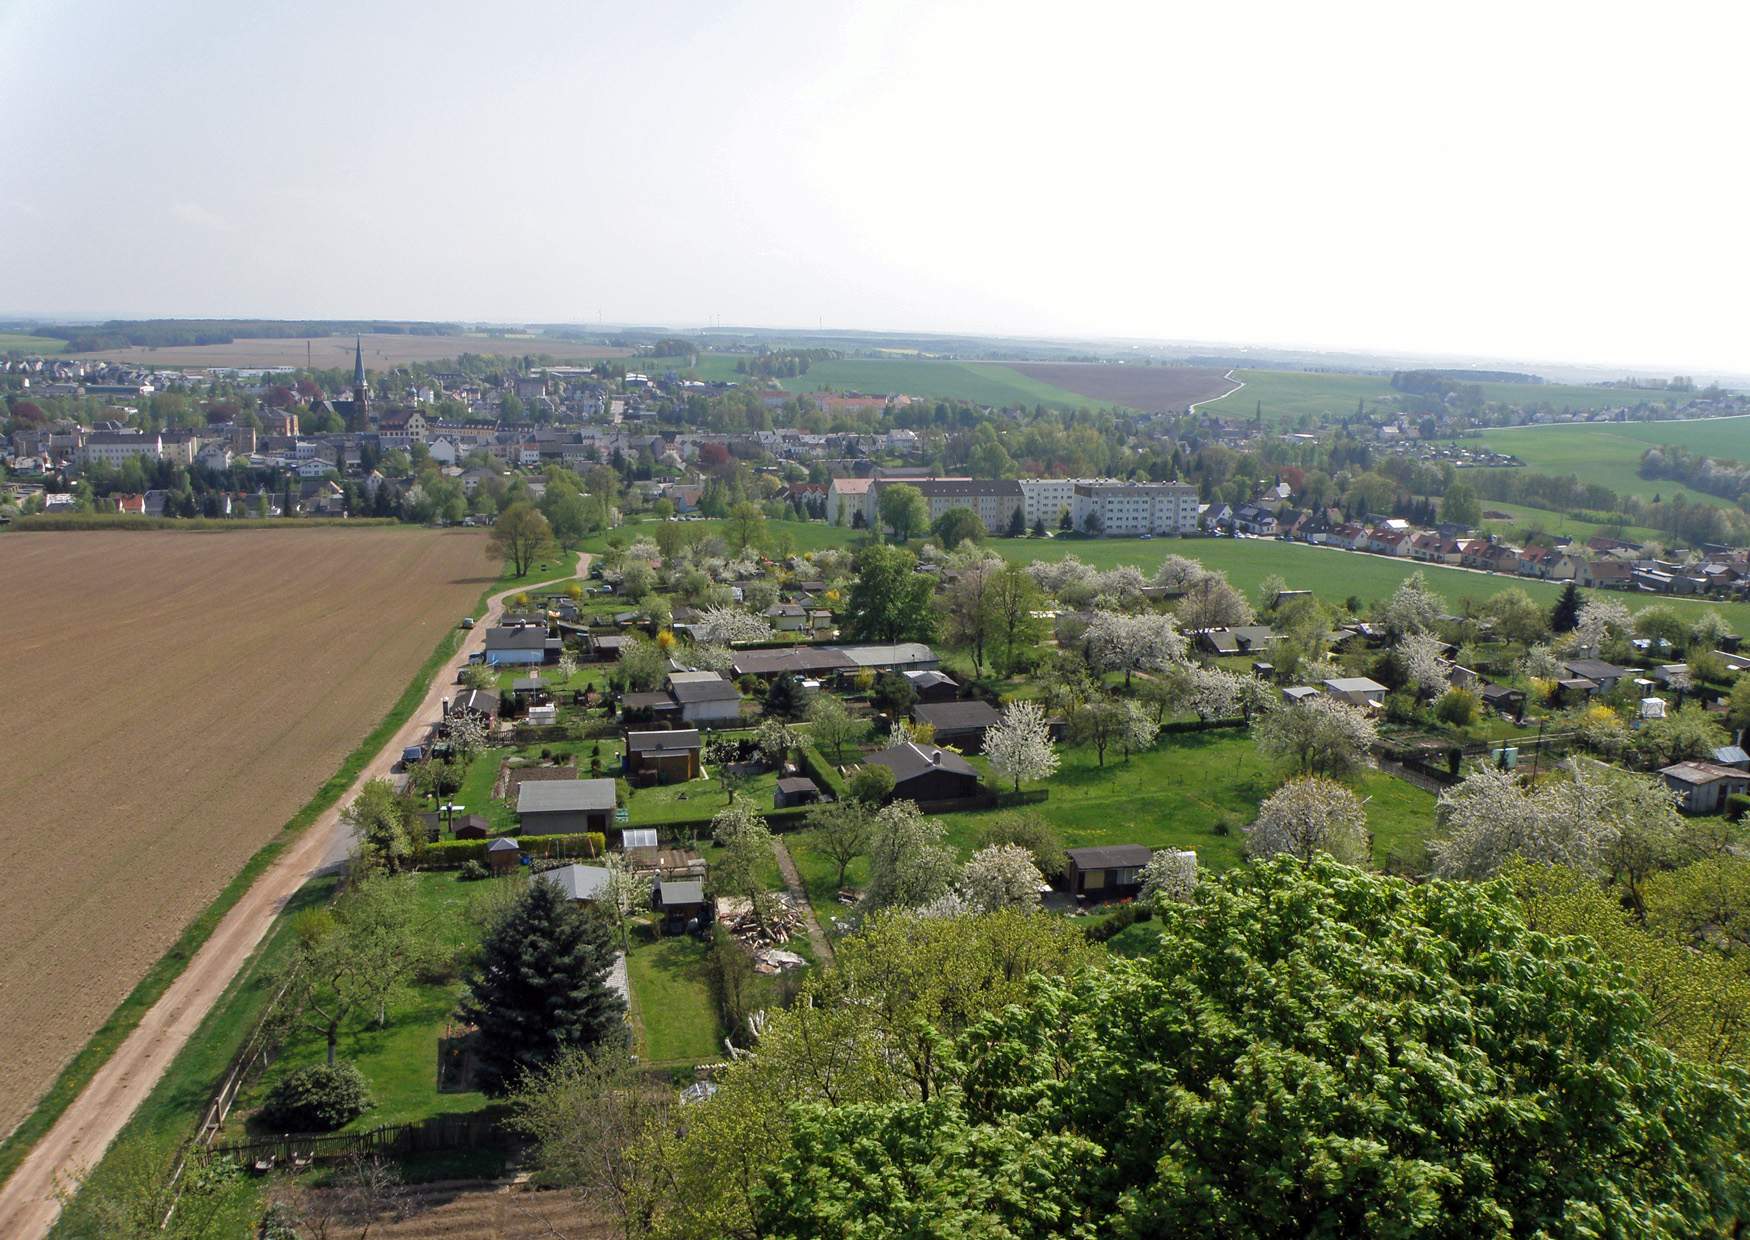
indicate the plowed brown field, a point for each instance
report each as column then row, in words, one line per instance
column 1153, row 389
column 170, row 700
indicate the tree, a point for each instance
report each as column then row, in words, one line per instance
column 1516, row 617
column 871, row 784
column 969, row 609
column 1171, row 874
column 1460, row 506
column 1686, row 734
column 1117, row 642
column 1424, row 665
column 1128, row 1097
column 539, row 987
column 1018, row 745
column 839, row 831
column 909, row 866
column 1309, row 816
column 625, row 893
column 903, row 509
column 1015, row 600
column 786, row 698
column 1000, row 876
column 724, row 626
column 641, row 668
column 133, row 1190
column 1564, row 617
column 889, row 601
column 1661, row 623
column 1738, row 712
column 745, row 526
column 1579, row 819
column 1457, row 707
column 1101, row 722
column 521, row 535
column 1412, row 608
column 956, row 526
column 480, row 676
column 723, row 756
column 1031, row 831
column 588, row 1115
column 893, row 694
column 1318, row 735
column 1210, row 601
column 1601, row 619
column 378, row 822
column 741, row 832
column 833, row 727
column 1708, row 632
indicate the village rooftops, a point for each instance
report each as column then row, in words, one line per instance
column 909, row 759
column 518, row 637
column 716, row 689
column 1700, row 772
column 565, row 796
column 1109, row 856
column 674, row 740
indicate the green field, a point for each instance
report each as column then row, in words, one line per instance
column 1288, row 394
column 1523, row 516
column 19, row 342
column 1609, row 453
column 1573, row 397
column 984, row 383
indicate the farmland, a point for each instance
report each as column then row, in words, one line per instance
column 21, row 342
column 1609, row 453
column 190, row 691
column 382, row 350
column 984, row 383
column 1165, row 389
column 1288, row 395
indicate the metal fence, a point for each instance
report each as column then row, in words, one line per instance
column 447, row 1132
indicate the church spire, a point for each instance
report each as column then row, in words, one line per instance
column 358, row 369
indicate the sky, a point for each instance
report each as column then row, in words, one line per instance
column 1541, row 181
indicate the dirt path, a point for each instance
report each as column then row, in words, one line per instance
column 793, row 881
column 1228, row 376
column 85, row 1129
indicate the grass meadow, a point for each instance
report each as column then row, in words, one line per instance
column 984, row 383
column 1288, row 394
column 23, row 342
column 1609, row 453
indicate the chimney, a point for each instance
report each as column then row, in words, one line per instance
column 935, row 757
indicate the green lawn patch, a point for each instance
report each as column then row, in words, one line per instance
column 677, row 1018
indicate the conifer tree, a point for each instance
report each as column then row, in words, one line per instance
column 540, row 987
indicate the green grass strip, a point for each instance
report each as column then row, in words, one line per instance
column 96, row 1052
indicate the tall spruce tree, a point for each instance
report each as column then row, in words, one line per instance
column 1565, row 615
column 540, row 987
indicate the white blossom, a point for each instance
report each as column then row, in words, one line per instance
column 1424, row 664
column 1018, row 745
column 1123, row 643
column 1171, row 874
column 1000, row 876
column 1308, row 816
column 1600, row 618
column 1319, row 734
column 723, row 626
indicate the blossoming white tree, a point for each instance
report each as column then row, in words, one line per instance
column 1319, row 735
column 723, row 626
column 1600, row 619
column 1123, row 643
column 1018, row 744
column 1423, row 663
column 1309, row 816
column 1171, row 874
column 1412, row 608
column 909, row 866
column 1000, row 876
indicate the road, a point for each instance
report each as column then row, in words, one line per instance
column 85, row 1129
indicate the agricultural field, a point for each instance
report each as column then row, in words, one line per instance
column 985, row 383
column 178, row 697
column 1574, row 397
column 1521, row 517
column 1288, row 395
column 22, row 342
column 1609, row 453
column 1155, row 389
column 382, row 350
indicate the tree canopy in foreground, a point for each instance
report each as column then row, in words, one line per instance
column 1314, row 1051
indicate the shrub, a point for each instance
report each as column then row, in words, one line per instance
column 1123, row 919
column 474, row 871
column 1737, row 805
column 317, row 1099
column 1457, row 707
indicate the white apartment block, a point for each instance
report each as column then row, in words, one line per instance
column 114, row 447
column 1132, row 508
column 1044, row 499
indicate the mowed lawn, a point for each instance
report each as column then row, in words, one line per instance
column 1193, row 790
column 1609, row 453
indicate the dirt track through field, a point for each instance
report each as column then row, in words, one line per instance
column 227, row 675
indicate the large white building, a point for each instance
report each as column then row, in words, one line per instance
column 1045, row 499
column 1131, row 508
column 114, row 447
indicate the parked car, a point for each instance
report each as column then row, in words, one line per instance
column 467, row 622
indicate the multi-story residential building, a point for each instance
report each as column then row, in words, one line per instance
column 1131, row 508
column 995, row 500
column 114, row 447
column 1044, row 500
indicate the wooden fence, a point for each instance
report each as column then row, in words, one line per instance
column 445, row 1132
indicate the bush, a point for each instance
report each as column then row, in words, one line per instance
column 474, row 871
column 1457, row 707
column 317, row 1099
column 1737, row 804
column 1126, row 917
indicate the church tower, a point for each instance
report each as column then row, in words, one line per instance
column 358, row 417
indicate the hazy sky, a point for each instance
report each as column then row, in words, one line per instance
column 1544, row 181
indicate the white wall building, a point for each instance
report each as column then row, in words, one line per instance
column 1126, row 509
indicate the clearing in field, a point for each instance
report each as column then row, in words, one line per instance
column 382, row 350
column 1153, row 389
column 175, row 699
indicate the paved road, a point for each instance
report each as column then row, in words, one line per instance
column 85, row 1129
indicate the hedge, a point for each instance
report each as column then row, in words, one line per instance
column 453, row 854
column 42, row 522
column 1201, row 725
